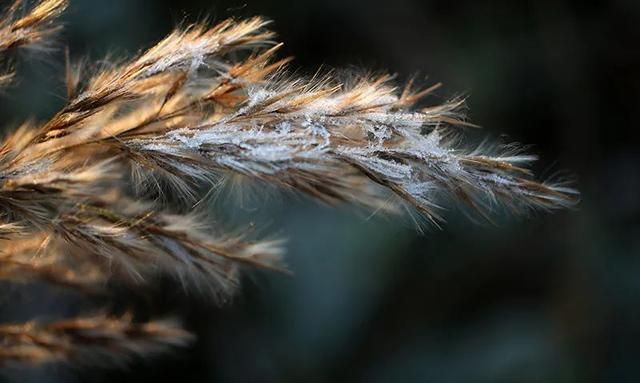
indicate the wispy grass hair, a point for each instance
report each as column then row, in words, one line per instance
column 206, row 103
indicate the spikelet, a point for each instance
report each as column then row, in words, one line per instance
column 140, row 241
column 38, row 256
column 188, row 115
column 202, row 104
column 28, row 29
column 32, row 27
column 97, row 340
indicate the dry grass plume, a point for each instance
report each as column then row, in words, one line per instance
column 204, row 103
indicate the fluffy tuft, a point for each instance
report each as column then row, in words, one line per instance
column 205, row 104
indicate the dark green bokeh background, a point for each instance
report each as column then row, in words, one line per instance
column 547, row 298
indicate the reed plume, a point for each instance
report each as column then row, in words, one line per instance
column 93, row 340
column 202, row 105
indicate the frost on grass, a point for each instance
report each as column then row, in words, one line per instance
column 203, row 104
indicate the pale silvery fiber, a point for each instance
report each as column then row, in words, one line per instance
column 80, row 194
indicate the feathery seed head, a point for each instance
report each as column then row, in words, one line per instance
column 74, row 203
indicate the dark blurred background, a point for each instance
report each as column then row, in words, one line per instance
column 545, row 298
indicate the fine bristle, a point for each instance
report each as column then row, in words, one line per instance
column 30, row 28
column 78, row 193
column 97, row 340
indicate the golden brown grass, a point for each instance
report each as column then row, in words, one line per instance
column 91, row 340
column 204, row 104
